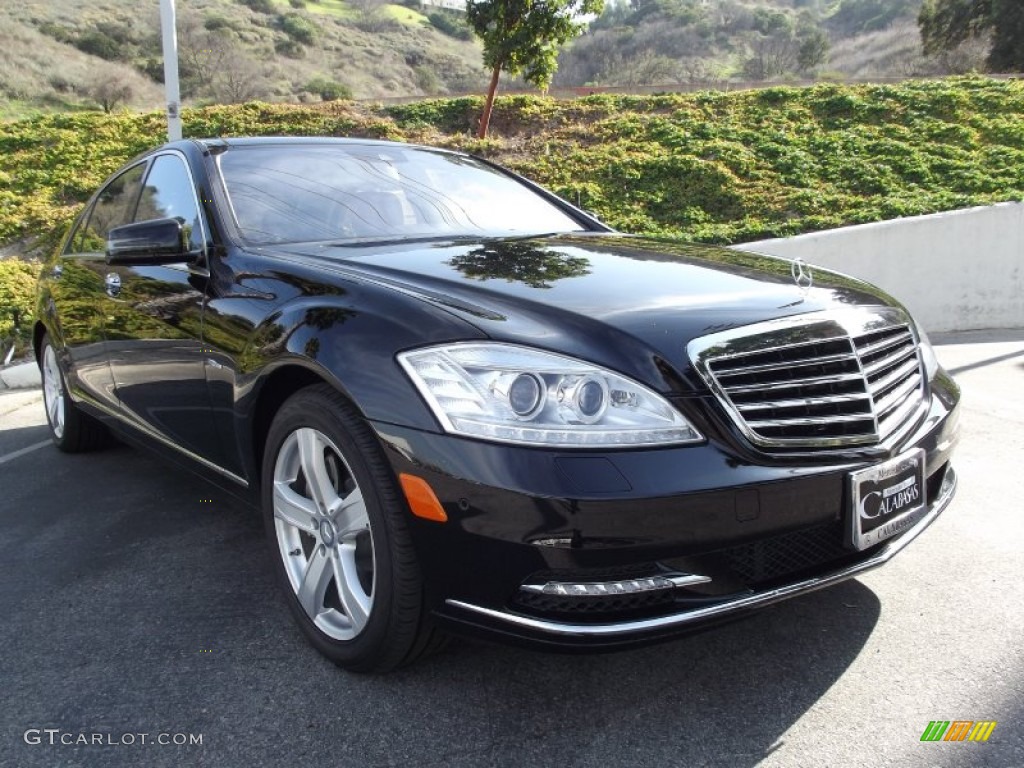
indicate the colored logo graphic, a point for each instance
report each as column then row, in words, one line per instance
column 958, row 730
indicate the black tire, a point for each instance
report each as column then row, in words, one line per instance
column 396, row 628
column 71, row 430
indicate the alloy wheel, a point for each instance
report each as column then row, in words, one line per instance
column 323, row 533
column 53, row 392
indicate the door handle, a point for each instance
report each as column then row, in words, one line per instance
column 113, row 283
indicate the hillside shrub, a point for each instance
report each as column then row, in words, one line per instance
column 328, row 90
column 17, row 303
column 99, row 44
column 290, row 48
column 299, row 28
column 450, row 24
column 260, row 6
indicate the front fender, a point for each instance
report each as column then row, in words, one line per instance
column 350, row 339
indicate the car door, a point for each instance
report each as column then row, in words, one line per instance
column 154, row 324
column 79, row 282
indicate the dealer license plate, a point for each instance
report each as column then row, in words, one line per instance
column 887, row 499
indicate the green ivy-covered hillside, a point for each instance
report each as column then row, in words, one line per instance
column 714, row 167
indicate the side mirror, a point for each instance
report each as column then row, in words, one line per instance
column 158, row 241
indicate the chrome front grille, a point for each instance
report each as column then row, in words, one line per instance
column 892, row 370
column 848, row 378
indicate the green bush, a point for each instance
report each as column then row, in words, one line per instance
column 290, row 48
column 328, row 90
column 98, row 44
column 57, row 31
column 453, row 25
column 214, row 22
column 299, row 28
column 260, row 6
column 426, row 79
column 17, row 303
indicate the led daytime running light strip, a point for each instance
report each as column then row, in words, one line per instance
column 612, row 588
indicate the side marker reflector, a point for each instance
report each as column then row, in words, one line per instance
column 422, row 499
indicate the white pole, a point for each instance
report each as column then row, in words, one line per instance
column 170, row 38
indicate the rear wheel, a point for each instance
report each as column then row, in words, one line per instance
column 336, row 525
column 71, row 430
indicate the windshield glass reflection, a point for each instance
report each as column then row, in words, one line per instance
column 305, row 193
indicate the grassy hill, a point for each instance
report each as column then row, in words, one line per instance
column 711, row 167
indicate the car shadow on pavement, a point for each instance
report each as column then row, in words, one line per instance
column 985, row 363
column 723, row 696
column 169, row 619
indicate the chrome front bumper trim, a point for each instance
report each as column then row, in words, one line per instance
column 566, row 629
column 614, row 588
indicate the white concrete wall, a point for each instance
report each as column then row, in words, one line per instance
column 954, row 271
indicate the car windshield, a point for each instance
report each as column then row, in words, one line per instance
column 303, row 193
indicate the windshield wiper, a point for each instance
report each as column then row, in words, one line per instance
column 399, row 240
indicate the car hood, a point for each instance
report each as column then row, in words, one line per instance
column 627, row 302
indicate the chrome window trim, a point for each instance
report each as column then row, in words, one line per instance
column 811, row 328
column 225, row 194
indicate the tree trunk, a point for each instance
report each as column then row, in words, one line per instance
column 485, row 119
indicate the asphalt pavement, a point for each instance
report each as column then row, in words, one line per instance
column 137, row 608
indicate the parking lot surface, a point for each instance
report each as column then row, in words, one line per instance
column 136, row 601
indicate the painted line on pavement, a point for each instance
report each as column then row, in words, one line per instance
column 18, row 454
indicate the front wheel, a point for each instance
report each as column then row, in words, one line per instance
column 336, row 525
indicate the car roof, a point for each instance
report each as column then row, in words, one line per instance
column 220, row 144
column 256, row 140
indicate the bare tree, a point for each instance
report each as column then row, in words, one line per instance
column 371, row 15
column 645, row 69
column 970, row 56
column 731, row 15
column 215, row 65
column 202, row 54
column 697, row 70
column 772, row 55
column 238, row 80
column 111, row 90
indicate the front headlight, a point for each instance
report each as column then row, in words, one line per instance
column 516, row 394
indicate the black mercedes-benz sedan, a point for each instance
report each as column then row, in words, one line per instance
column 463, row 404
